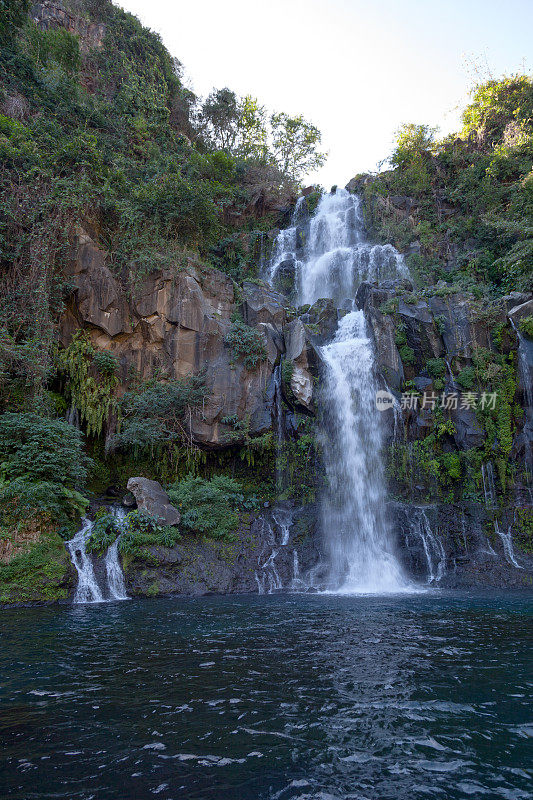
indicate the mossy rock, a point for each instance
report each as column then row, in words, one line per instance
column 43, row 573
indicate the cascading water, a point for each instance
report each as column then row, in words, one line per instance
column 360, row 558
column 88, row 589
column 525, row 367
column 433, row 549
column 115, row 576
column 507, row 544
column 330, row 258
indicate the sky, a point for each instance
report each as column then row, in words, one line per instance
column 357, row 69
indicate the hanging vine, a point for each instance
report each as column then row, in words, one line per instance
column 91, row 382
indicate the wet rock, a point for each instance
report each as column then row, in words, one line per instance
column 260, row 303
column 321, row 319
column 300, row 350
column 468, row 431
column 519, row 312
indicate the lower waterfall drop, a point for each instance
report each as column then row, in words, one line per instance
column 115, row 576
column 353, row 511
column 87, row 590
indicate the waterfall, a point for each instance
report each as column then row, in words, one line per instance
column 525, row 368
column 115, row 576
column 333, row 254
column 88, row 590
column 353, row 508
column 507, row 544
column 489, row 489
column 275, row 538
column 330, row 259
column 433, row 549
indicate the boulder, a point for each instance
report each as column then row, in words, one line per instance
column 151, row 497
column 260, row 303
column 323, row 317
column 521, row 311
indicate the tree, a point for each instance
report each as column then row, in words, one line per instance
column 415, row 145
column 241, row 127
column 37, row 449
column 218, row 119
column 295, row 145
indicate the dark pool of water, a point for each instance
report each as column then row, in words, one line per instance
column 283, row 697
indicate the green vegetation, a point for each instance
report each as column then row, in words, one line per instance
column 138, row 530
column 105, row 530
column 524, row 529
column 211, row 507
column 90, row 381
column 42, row 572
column 109, row 136
column 526, row 326
column 141, row 530
column 246, row 343
column 42, row 465
column 242, row 128
column 156, row 418
column 471, row 196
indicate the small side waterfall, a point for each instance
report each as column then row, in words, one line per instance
column 489, row 487
column 525, row 368
column 507, row 544
column 276, row 538
column 329, row 257
column 433, row 549
column 88, row 589
column 115, row 576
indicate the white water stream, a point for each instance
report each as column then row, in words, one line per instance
column 88, row 589
column 331, row 259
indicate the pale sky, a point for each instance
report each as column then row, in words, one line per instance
column 357, row 69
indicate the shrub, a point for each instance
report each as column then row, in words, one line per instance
column 467, row 378
column 105, row 530
column 39, row 449
column 436, row 367
column 526, row 326
column 51, row 503
column 141, row 529
column 246, row 343
column 40, row 573
column 158, row 415
column 210, row 506
column 407, row 354
column 106, row 363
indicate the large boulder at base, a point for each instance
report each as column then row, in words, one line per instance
column 151, row 497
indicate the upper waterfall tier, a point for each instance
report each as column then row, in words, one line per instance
column 329, row 254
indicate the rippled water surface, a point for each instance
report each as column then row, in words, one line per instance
column 271, row 697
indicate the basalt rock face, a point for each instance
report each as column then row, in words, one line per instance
column 255, row 560
column 459, row 546
column 50, row 14
column 175, row 324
